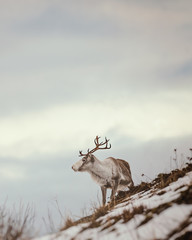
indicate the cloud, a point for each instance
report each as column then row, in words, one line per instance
column 43, row 65
column 88, row 71
column 183, row 71
column 12, row 173
column 54, row 129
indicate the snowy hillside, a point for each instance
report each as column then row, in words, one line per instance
column 161, row 209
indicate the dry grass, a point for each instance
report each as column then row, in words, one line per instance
column 164, row 179
column 92, row 219
column 97, row 212
column 161, row 181
column 16, row 224
column 68, row 223
column 125, row 217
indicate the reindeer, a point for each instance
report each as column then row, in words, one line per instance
column 110, row 173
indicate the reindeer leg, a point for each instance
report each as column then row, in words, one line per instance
column 104, row 192
column 114, row 190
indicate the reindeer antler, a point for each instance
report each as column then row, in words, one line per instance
column 98, row 146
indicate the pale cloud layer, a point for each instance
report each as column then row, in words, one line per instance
column 70, row 70
column 54, row 130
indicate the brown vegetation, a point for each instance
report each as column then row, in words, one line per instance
column 16, row 225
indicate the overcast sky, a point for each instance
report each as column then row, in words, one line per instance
column 71, row 70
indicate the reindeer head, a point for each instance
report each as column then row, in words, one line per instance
column 84, row 164
column 87, row 162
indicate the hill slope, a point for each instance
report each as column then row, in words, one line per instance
column 161, row 209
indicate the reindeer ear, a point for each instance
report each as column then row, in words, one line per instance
column 92, row 158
